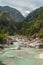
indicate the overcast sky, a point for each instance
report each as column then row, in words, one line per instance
column 24, row 6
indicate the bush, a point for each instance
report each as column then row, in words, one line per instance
column 2, row 36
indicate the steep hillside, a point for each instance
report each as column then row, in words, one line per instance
column 7, row 25
column 15, row 14
column 33, row 14
column 33, row 24
column 10, row 20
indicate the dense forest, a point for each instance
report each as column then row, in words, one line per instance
column 10, row 20
column 32, row 25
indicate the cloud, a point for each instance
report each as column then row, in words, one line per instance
column 26, row 13
column 24, row 6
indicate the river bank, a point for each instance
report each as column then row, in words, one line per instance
column 22, row 40
column 18, row 43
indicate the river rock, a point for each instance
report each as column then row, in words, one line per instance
column 41, row 56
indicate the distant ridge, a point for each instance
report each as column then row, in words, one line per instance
column 33, row 24
column 15, row 14
column 10, row 20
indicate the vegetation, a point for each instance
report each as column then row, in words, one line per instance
column 34, row 24
column 10, row 20
column 2, row 36
column 6, row 24
column 2, row 63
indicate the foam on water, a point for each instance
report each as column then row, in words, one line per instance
column 25, row 56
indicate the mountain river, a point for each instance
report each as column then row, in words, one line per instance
column 25, row 56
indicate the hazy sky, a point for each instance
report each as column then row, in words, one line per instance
column 24, row 6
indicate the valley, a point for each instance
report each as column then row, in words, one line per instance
column 21, row 38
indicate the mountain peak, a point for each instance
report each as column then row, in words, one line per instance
column 15, row 14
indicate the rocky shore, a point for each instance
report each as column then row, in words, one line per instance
column 26, row 42
column 23, row 41
column 40, row 56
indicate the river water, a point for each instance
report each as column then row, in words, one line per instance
column 25, row 56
